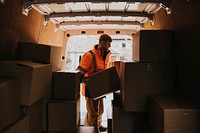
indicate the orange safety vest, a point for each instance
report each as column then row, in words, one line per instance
column 88, row 66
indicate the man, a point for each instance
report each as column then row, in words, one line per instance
column 92, row 61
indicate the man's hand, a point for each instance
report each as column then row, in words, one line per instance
column 85, row 80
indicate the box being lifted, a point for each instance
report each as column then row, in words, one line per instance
column 153, row 46
column 103, row 82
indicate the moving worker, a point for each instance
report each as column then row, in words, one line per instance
column 93, row 61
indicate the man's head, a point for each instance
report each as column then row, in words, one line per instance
column 104, row 42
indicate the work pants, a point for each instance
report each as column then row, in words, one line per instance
column 95, row 109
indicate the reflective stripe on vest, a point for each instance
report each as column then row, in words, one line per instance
column 94, row 61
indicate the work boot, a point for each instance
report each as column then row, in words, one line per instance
column 102, row 129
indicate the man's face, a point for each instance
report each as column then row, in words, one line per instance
column 105, row 45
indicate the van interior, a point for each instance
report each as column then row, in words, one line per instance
column 155, row 51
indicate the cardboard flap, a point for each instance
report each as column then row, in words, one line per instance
column 30, row 64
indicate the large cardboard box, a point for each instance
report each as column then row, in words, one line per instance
column 10, row 109
column 36, row 52
column 41, row 53
column 103, row 82
column 139, row 80
column 35, row 78
column 169, row 115
column 66, row 84
column 153, row 46
column 127, row 122
column 63, row 115
column 20, row 126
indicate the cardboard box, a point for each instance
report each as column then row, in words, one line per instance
column 63, row 115
column 9, row 101
column 127, row 122
column 20, row 126
column 35, row 78
column 35, row 113
column 167, row 115
column 103, row 82
column 36, row 52
column 153, row 46
column 139, row 80
column 66, row 84
column 50, row 54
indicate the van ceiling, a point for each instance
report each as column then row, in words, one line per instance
column 97, row 14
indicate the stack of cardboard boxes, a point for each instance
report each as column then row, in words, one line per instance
column 31, row 100
column 31, row 81
column 166, row 113
column 64, row 107
column 150, row 72
column 147, row 86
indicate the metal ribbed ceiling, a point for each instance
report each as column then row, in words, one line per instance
column 105, row 14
